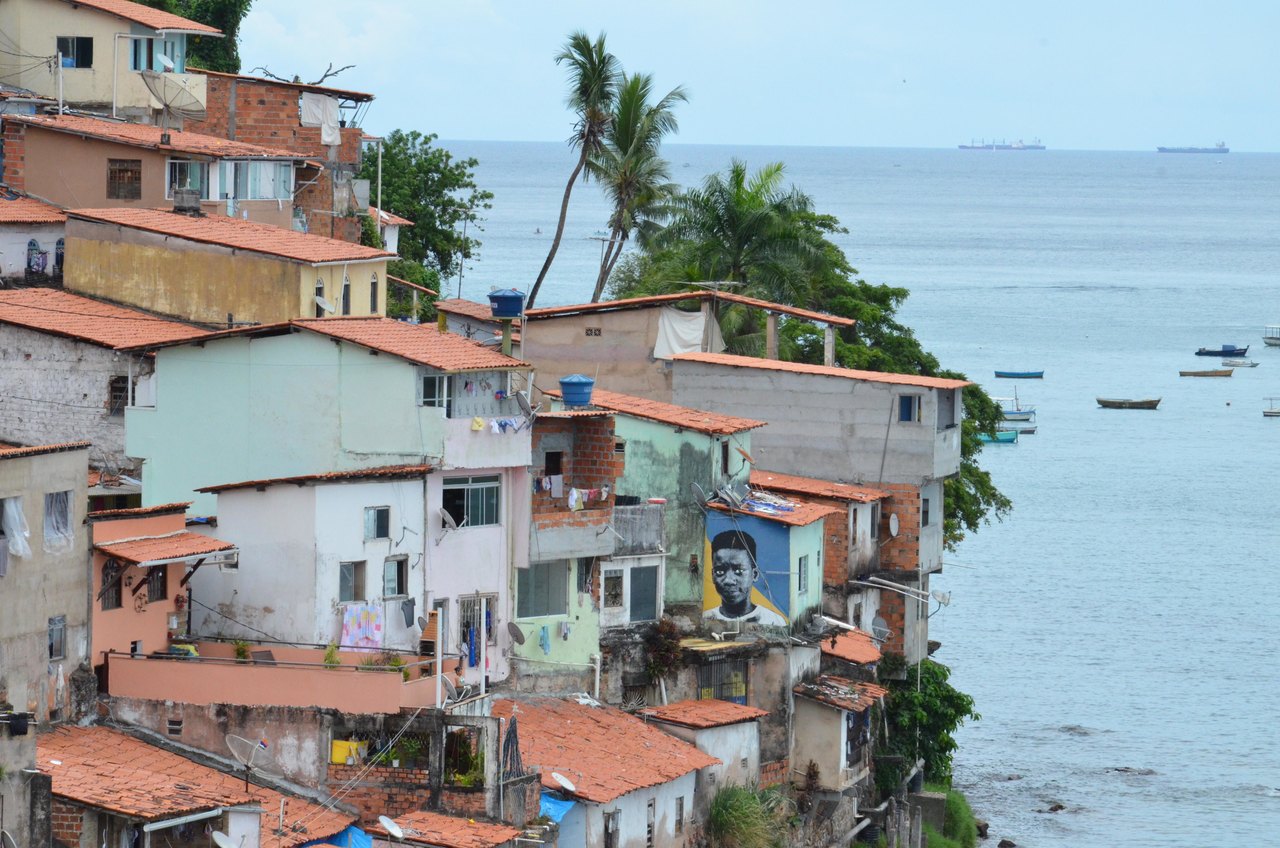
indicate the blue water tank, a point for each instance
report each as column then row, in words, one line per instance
column 506, row 303
column 576, row 389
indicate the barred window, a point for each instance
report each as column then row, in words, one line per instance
column 469, row 619
column 111, row 592
column 124, row 179
column 725, row 680
column 117, row 395
column 157, row 583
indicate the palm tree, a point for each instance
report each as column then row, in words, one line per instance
column 594, row 73
column 633, row 175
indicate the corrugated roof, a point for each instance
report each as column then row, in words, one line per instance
column 668, row 299
column 170, row 546
column 704, row 713
column 469, row 309
column 236, row 233
column 147, row 16
column 774, row 481
column 799, row 514
column 842, row 693
column 341, row 93
column 36, row 450
column 15, row 209
column 711, row 423
column 390, row 218
column 853, row 646
column 103, row 768
column 385, row 472
column 602, row 750
column 64, row 314
column 822, row 370
column 437, row 829
column 148, row 136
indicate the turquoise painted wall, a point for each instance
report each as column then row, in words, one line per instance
column 806, row 540
column 583, row 619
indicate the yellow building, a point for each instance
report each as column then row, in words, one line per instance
column 217, row 270
column 95, row 53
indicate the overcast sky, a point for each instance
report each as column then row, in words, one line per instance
column 1089, row 74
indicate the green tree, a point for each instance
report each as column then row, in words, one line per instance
column 213, row 54
column 427, row 185
column 627, row 166
column 594, row 75
column 923, row 710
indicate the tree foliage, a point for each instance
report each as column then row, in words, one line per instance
column 923, row 710
column 213, row 54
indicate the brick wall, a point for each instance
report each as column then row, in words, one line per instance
column 461, row 801
column 774, row 773
column 590, row 464
column 899, row 553
column 15, row 155
column 67, row 822
column 382, row 790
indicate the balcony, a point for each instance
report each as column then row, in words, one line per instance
column 641, row 529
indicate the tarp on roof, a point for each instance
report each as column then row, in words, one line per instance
column 352, row 837
column 554, row 808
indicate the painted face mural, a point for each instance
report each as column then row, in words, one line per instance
column 747, row 578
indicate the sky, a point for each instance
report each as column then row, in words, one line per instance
column 1085, row 75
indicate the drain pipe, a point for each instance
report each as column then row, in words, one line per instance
column 595, row 661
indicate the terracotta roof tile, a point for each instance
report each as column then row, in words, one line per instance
column 438, row 829
column 236, row 233
column 148, row 135
column 390, row 218
column 103, row 768
column 170, row 546
column 64, row 314
column 842, row 693
column 15, row 209
column 385, row 472
column 36, row 450
column 711, row 423
column 799, row 514
column 704, row 713
column 401, row 282
column 469, row 309
column 677, row 297
column 853, row 646
column 822, row 370
column 602, row 750
column 137, row 511
column 147, row 16
column 419, row 343
column 776, row 482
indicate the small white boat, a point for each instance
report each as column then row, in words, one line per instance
column 1011, row 409
column 1272, row 411
column 1239, row 363
column 1271, row 335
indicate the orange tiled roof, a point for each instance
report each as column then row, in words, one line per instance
column 385, row 472
column 603, row 751
column 822, row 370
column 148, row 135
column 399, row 281
column 61, row 313
column 667, row 299
column 236, row 233
column 390, row 218
column 16, row 209
column 799, row 515
column 147, row 16
column 137, row 511
column 842, row 693
column 170, row 546
column 103, row 768
column 438, row 829
column 469, row 309
column 574, row 413
column 712, row 423
column 853, row 646
column 776, row 482
column 36, row 450
column 705, row 713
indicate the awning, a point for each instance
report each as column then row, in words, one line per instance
column 182, row 546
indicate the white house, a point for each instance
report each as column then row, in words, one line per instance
column 32, row 239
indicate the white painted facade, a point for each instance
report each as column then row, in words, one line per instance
column 736, row 746
column 15, row 239
column 584, row 825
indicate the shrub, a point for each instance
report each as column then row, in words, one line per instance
column 741, row 817
column 331, row 658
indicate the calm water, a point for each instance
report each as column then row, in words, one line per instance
column 1117, row 630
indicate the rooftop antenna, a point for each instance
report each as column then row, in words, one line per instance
column 252, row 755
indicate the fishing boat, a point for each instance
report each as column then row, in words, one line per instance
column 1272, row 411
column 1214, row 372
column 1239, row 363
column 1000, row 437
column 1271, row 335
column 1023, row 427
column 1224, row 351
column 1127, row 403
column 1020, row 375
column 1220, row 147
column 1011, row 409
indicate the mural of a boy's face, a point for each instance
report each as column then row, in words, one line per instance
column 733, row 575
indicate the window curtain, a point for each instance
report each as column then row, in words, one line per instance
column 14, row 524
column 58, row 536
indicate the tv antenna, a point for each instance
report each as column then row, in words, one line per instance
column 251, row 755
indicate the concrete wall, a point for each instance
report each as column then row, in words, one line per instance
column 618, row 345
column 820, row 740
column 736, row 746
column 585, row 823
column 57, row 390
column 827, row 427
column 13, row 246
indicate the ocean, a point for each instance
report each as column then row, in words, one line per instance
column 1117, row 630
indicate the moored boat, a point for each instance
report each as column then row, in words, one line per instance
column 1220, row 147
column 1020, row 375
column 1023, row 427
column 1213, row 372
column 1272, row 411
column 1000, row 437
column 1012, row 409
column 1239, row 363
column 1128, row 403
column 1225, row 350
column 1271, row 335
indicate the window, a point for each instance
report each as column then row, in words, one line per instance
column 77, row 51
column 612, row 828
column 36, row 258
column 472, row 501
column 554, row 463
column 350, row 582
column 433, row 389
column 874, row 529
column 377, row 522
column 320, row 310
column 586, row 571
column 58, row 637
column 157, row 583
column 13, row 527
column 613, row 587
column 144, row 52
column 802, row 582
column 58, row 535
column 723, row 679
column 649, row 822
column 346, row 295
column 255, row 180
column 395, row 577
column 373, row 295
column 680, row 814
column 909, row 408
column 631, row 591
column 111, row 592
column 124, row 179
column 724, row 457
column 59, row 254
column 469, row 618
column 118, row 395
column 185, row 174
column 924, row 512
column 542, row 589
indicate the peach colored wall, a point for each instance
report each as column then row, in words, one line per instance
column 108, row 530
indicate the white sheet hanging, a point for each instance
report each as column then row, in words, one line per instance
column 14, row 524
column 683, row 332
column 321, row 110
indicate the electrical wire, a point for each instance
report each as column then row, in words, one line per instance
column 234, row 621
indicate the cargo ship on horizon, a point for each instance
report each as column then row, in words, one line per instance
column 1220, row 147
column 1002, row 145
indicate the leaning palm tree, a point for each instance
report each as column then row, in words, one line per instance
column 634, row 177
column 594, row 73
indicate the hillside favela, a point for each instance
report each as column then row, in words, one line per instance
column 354, row 494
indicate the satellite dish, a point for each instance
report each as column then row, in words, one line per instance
column 699, row 495
column 422, row 623
column 388, row 825
column 745, row 455
column 222, row 840
column 565, row 783
column 522, row 400
column 516, row 634
column 447, row 519
column 893, row 525
column 324, row 304
column 165, row 62
column 252, row 755
column 880, row 629
column 171, row 92
column 941, row 597
column 450, row 691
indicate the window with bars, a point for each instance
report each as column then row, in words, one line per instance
column 112, row 594
column 157, row 583
column 680, row 814
column 117, row 395
column 124, row 179
column 725, row 680
column 472, row 501
column 469, row 618
column 802, row 577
